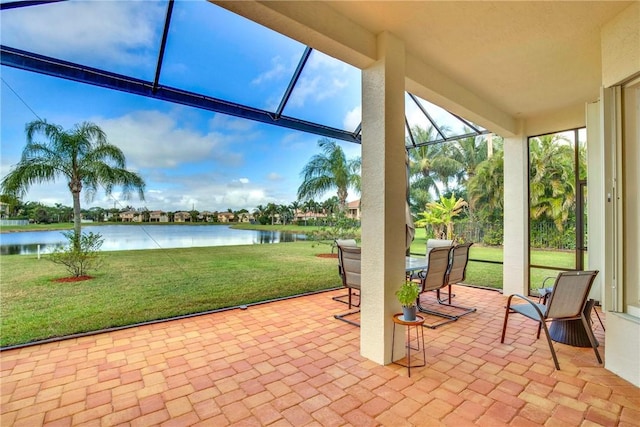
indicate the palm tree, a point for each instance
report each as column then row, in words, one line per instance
column 295, row 207
column 285, row 213
column 443, row 212
column 271, row 211
column 486, row 188
column 330, row 170
column 551, row 179
column 468, row 153
column 429, row 166
column 81, row 155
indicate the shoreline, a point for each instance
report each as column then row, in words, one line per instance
column 237, row 226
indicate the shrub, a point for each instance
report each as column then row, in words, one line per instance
column 342, row 228
column 79, row 262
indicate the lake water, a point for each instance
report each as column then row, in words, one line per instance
column 128, row 237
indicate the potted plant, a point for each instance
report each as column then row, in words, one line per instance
column 407, row 296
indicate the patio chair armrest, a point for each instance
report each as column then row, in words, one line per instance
column 527, row 313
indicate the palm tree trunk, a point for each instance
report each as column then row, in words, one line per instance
column 76, row 220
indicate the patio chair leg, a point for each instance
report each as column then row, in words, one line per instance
column 448, row 317
column 448, row 296
column 506, row 317
column 466, row 310
column 553, row 351
column 592, row 339
column 344, row 315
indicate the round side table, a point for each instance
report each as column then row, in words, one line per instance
column 398, row 319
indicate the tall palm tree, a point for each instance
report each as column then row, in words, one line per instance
column 295, row 208
column 82, row 156
column 468, row 153
column 430, row 166
column 330, row 170
column 552, row 189
column 486, row 188
column 271, row 211
column 285, row 213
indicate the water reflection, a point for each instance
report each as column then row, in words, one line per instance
column 129, row 237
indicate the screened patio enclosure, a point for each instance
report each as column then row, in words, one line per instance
column 207, row 73
column 517, row 69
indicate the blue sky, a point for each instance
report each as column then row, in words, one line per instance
column 189, row 158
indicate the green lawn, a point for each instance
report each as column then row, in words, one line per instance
column 139, row 286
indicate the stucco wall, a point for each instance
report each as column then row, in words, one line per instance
column 621, row 46
column 620, row 62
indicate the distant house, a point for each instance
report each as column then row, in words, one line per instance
column 207, row 216
column 307, row 216
column 158, row 216
column 182, row 217
column 353, row 209
column 4, row 209
column 130, row 216
column 245, row 217
column 226, row 217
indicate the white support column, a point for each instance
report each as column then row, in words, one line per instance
column 598, row 200
column 516, row 225
column 383, row 198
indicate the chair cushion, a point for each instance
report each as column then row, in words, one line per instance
column 528, row 310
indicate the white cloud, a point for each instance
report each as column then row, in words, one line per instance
column 113, row 31
column 274, row 176
column 152, row 139
column 238, row 183
column 352, row 119
column 278, row 70
column 323, row 78
column 221, row 122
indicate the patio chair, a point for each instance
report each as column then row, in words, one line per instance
column 437, row 243
column 567, row 302
column 342, row 243
column 459, row 259
column 434, row 278
column 431, row 243
column 545, row 291
column 349, row 260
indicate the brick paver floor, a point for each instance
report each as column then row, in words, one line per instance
column 290, row 363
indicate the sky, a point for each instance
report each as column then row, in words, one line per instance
column 189, row 158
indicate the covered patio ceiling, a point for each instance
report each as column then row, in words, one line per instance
column 222, row 92
column 494, row 63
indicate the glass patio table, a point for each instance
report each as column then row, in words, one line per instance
column 415, row 264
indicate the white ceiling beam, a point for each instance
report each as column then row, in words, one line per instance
column 434, row 86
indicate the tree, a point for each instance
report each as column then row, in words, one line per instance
column 80, row 155
column 285, row 213
column 97, row 213
column 427, row 166
column 332, row 206
column 468, row 153
column 330, row 170
column 486, row 188
column 442, row 213
column 271, row 211
column 551, row 179
column 260, row 215
column 295, row 207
